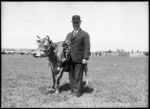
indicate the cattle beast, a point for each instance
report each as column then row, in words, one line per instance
column 55, row 54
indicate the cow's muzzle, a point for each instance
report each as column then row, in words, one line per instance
column 34, row 55
column 38, row 53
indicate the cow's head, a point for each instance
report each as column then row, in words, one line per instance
column 44, row 47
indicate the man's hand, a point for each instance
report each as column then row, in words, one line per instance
column 84, row 61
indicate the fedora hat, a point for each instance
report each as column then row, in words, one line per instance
column 76, row 18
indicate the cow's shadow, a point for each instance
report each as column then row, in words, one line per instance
column 65, row 87
column 85, row 89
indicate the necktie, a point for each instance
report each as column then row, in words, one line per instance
column 74, row 34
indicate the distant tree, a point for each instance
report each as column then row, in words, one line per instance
column 109, row 51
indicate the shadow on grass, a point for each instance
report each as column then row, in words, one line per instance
column 45, row 90
column 86, row 89
column 65, row 87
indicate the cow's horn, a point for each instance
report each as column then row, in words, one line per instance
column 38, row 37
column 48, row 37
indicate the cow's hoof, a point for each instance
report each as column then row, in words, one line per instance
column 86, row 85
column 58, row 68
column 57, row 91
column 87, row 82
column 64, row 60
column 51, row 90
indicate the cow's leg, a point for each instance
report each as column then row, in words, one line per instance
column 58, row 79
column 54, row 81
column 56, row 76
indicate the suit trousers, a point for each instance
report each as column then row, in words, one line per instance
column 75, row 76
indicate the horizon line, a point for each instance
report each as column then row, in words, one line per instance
column 91, row 50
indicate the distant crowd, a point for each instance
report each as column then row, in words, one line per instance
column 118, row 52
column 121, row 52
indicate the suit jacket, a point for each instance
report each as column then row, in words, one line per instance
column 80, row 46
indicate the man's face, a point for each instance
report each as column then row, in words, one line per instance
column 76, row 25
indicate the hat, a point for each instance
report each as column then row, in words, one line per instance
column 76, row 18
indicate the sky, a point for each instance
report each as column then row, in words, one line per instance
column 111, row 25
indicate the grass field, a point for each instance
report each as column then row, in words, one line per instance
column 114, row 82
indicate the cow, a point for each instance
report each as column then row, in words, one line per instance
column 55, row 54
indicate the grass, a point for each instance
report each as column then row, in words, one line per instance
column 114, row 82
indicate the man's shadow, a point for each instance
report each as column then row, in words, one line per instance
column 85, row 89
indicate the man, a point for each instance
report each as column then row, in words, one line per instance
column 79, row 55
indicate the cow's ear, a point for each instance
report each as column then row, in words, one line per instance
column 38, row 41
column 50, row 41
column 54, row 45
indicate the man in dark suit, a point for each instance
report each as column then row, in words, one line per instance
column 79, row 55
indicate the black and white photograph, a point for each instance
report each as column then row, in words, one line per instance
column 74, row 54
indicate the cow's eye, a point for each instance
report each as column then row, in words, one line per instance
column 45, row 46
